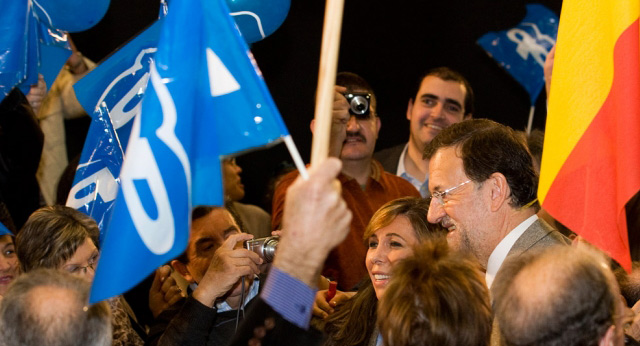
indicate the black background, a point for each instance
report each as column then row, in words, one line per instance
column 388, row 43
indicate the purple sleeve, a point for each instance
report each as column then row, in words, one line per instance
column 289, row 297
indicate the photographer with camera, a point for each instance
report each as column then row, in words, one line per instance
column 365, row 184
column 223, row 278
column 316, row 220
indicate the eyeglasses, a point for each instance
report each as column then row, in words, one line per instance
column 440, row 195
column 76, row 269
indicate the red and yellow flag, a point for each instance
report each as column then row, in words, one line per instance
column 591, row 160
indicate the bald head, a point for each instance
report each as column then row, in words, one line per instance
column 562, row 296
column 50, row 307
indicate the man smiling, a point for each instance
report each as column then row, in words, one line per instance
column 483, row 189
column 443, row 97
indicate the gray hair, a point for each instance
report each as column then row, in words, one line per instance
column 50, row 307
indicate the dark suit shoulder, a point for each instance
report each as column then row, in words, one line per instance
column 390, row 157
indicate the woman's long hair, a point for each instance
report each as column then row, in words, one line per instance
column 353, row 322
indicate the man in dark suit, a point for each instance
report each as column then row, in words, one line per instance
column 483, row 187
column 443, row 97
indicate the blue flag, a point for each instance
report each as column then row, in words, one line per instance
column 205, row 99
column 4, row 230
column 522, row 49
column 112, row 95
column 28, row 47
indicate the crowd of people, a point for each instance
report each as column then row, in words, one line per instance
column 434, row 242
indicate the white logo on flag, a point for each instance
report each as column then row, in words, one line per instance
column 140, row 164
column 118, row 116
column 221, row 81
column 529, row 45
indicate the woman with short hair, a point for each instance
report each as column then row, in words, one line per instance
column 63, row 238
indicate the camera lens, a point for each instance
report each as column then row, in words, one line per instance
column 359, row 105
column 269, row 249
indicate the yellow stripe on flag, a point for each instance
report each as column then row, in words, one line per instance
column 582, row 75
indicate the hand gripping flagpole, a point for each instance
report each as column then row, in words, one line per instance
column 326, row 80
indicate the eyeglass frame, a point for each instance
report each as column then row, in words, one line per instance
column 92, row 263
column 439, row 195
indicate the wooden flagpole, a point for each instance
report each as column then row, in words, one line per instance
column 326, row 80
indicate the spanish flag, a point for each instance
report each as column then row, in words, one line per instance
column 591, row 159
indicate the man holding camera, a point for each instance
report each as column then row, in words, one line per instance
column 365, row 184
column 215, row 265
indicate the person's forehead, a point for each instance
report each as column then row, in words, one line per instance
column 443, row 88
column 213, row 225
column 445, row 168
column 400, row 226
column 6, row 239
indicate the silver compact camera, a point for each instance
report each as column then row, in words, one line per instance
column 359, row 104
column 264, row 247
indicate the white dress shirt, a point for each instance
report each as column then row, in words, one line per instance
column 422, row 187
column 500, row 252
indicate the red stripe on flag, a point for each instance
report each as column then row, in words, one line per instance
column 603, row 171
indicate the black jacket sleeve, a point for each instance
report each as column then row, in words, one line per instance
column 277, row 330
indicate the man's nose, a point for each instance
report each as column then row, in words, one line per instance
column 438, row 110
column 436, row 211
column 352, row 124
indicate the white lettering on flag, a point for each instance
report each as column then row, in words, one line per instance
column 140, row 164
column 117, row 114
column 106, row 188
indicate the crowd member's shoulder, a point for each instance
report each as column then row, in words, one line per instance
column 390, row 157
column 553, row 237
column 280, row 192
column 393, row 183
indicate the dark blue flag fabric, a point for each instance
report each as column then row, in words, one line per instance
column 112, row 95
column 28, row 47
column 522, row 49
column 205, row 99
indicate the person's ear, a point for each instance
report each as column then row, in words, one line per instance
column 409, row 109
column 500, row 190
column 312, row 126
column 609, row 337
column 467, row 116
column 182, row 269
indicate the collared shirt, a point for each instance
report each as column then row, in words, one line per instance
column 253, row 291
column 224, row 306
column 500, row 252
column 422, row 187
column 289, row 297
